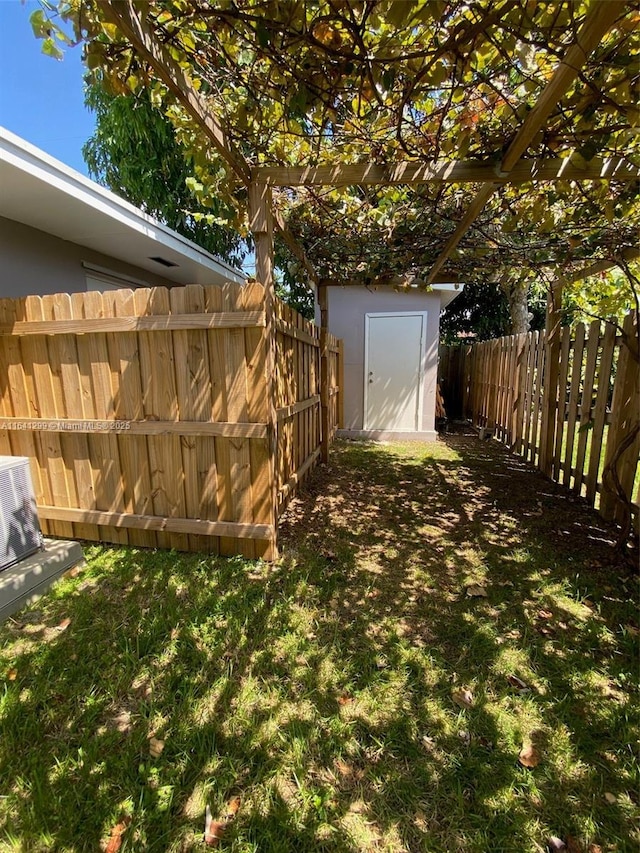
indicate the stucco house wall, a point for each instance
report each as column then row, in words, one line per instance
column 347, row 307
column 33, row 261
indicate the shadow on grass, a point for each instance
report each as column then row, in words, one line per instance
column 320, row 688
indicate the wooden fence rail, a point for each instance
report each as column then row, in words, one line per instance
column 145, row 413
column 568, row 421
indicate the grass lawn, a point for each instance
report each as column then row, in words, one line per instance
column 353, row 695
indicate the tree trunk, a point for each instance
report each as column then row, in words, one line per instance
column 517, row 296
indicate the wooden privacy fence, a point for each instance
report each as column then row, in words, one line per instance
column 306, row 394
column 566, row 406
column 149, row 416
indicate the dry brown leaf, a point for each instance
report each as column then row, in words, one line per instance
column 155, row 747
column 122, row 721
column 233, row 807
column 554, row 843
column 63, row 625
column 610, row 798
column 529, row 756
column 518, row 683
column 545, row 615
column 476, row 591
column 345, row 699
column 115, row 841
column 213, row 829
column 573, row 845
column 463, row 698
column 12, row 674
column 595, row 848
column 73, row 572
column 342, row 767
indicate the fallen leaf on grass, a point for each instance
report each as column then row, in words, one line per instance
column 554, row 843
column 115, row 841
column 213, row 829
column 529, row 756
column 610, row 798
column 12, row 675
column 464, row 736
column 73, row 572
column 121, row 721
column 595, row 848
column 545, row 615
column 463, row 698
column 345, row 700
column 63, row 625
column 573, row 845
column 233, row 807
column 518, row 683
column 476, row 591
column 155, row 747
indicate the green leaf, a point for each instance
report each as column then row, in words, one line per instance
column 39, row 24
column 50, row 48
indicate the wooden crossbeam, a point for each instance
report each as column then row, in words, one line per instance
column 447, row 172
column 630, row 254
column 599, row 19
column 399, row 281
column 150, row 323
column 109, row 426
column 125, row 16
column 195, row 526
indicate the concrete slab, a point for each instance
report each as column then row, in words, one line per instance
column 30, row 578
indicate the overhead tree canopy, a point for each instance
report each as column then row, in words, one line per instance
column 374, row 82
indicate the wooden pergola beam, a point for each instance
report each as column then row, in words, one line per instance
column 599, row 19
column 126, row 18
column 630, row 254
column 447, row 172
column 400, row 281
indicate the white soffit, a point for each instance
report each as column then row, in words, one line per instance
column 40, row 191
column 448, row 292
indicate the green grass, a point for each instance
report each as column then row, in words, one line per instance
column 319, row 689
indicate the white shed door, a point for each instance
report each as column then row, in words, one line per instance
column 393, row 370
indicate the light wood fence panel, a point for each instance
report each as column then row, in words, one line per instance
column 297, row 399
column 143, row 415
column 582, row 411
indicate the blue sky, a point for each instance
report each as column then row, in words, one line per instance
column 40, row 98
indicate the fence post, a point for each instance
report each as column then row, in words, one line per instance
column 624, row 416
column 324, row 373
column 261, row 225
column 551, row 374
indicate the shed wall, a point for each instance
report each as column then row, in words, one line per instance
column 347, row 309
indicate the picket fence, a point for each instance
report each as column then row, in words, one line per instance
column 565, row 406
column 151, row 417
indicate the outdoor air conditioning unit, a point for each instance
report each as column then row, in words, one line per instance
column 19, row 526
